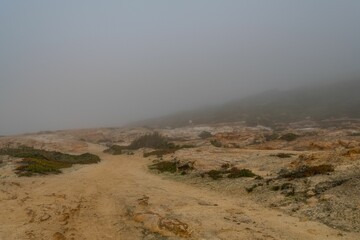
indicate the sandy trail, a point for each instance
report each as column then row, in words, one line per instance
column 101, row 201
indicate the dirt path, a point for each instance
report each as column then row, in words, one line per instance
column 119, row 199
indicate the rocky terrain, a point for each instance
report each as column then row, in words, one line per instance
column 218, row 181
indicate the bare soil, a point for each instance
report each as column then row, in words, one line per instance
column 120, row 198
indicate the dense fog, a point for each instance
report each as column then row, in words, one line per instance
column 80, row 64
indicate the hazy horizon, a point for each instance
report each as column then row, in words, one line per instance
column 82, row 64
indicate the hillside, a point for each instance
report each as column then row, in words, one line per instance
column 317, row 102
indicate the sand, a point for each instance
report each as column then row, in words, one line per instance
column 120, row 199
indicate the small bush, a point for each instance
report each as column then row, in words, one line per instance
column 225, row 166
column 289, row 137
column 288, row 189
column 153, row 140
column 185, row 146
column 165, row 166
column 216, row 143
column 160, row 152
column 36, row 161
column 354, row 134
column 307, row 171
column 238, row 173
column 232, row 173
column 215, row 174
column 171, row 148
column 271, row 137
column 114, row 150
column 250, row 189
column 29, row 152
column 205, row 135
column 282, row 155
column 31, row 166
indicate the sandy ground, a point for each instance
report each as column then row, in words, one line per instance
column 120, row 199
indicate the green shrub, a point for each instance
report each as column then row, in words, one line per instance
column 271, row 137
column 232, row 173
column 225, row 166
column 205, row 135
column 114, row 150
column 160, row 152
column 354, row 134
column 282, row 155
column 307, row 171
column 37, row 161
column 250, row 189
column 30, row 166
column 238, row 173
column 153, row 140
column 216, row 143
column 185, row 146
column 171, row 148
column 215, row 174
column 289, row 137
column 166, row 166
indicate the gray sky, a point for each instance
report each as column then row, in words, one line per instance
column 76, row 64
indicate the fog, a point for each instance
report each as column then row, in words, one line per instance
column 80, row 64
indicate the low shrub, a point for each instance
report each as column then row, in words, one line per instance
column 37, row 161
column 225, row 166
column 271, row 137
column 250, row 189
column 215, row 174
column 275, row 188
column 282, row 155
column 205, row 135
column 288, row 189
column 230, row 173
column 30, row 166
column 171, row 148
column 153, row 140
column 165, row 166
column 354, row 134
column 238, row 173
column 114, row 150
column 160, row 152
column 216, row 143
column 307, row 171
column 289, row 137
